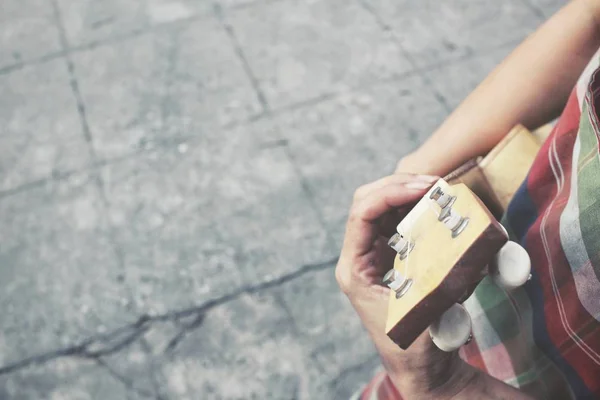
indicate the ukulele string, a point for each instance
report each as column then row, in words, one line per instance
column 433, row 208
column 405, row 269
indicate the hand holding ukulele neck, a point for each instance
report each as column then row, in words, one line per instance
column 442, row 256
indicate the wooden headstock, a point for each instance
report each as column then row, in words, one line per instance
column 444, row 245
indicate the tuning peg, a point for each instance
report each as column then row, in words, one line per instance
column 513, row 266
column 398, row 283
column 442, row 199
column 401, row 245
column 452, row 329
column 454, row 221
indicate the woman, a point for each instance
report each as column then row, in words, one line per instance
column 544, row 341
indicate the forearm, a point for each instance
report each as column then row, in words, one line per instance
column 530, row 87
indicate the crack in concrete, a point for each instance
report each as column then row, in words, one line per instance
column 267, row 111
column 121, row 37
column 152, row 372
column 73, row 81
column 127, row 383
column 112, row 342
column 182, row 334
column 237, row 47
column 385, row 27
column 174, row 142
column 91, row 168
column 288, row 313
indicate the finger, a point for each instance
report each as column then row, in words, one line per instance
column 384, row 260
column 369, row 188
column 388, row 198
column 389, row 222
column 362, row 228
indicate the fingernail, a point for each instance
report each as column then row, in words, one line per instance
column 428, row 178
column 418, row 185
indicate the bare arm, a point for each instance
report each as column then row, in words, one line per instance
column 530, row 87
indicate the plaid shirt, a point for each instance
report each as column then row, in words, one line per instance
column 544, row 337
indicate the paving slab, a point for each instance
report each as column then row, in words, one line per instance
column 547, row 8
column 200, row 220
column 27, row 31
column 330, row 331
column 60, row 273
column 69, row 378
column 178, row 82
column 455, row 80
column 41, row 131
column 87, row 21
column 244, row 350
column 434, row 32
column 301, row 50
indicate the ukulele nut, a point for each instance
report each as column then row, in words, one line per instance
column 395, row 281
column 401, row 245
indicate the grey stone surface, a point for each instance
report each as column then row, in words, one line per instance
column 69, row 378
column 174, row 185
column 301, row 50
column 59, row 270
column 89, row 21
column 455, row 80
column 244, row 350
column 333, row 338
column 27, row 31
column 433, row 32
column 156, row 88
column 203, row 218
column 547, row 7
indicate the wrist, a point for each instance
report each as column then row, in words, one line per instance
column 426, row 160
column 445, row 378
column 412, row 163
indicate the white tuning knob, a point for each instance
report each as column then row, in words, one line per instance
column 452, row 329
column 513, row 266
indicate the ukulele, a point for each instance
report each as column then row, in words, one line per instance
column 451, row 240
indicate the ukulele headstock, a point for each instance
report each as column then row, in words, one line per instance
column 444, row 245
